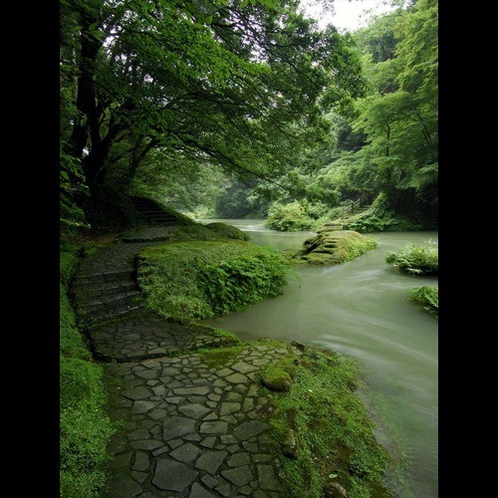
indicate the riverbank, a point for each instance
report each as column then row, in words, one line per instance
column 196, row 419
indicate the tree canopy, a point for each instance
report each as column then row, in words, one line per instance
column 233, row 82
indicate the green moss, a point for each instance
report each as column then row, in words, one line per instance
column 332, row 246
column 200, row 279
column 85, row 428
column 228, row 231
column 351, row 246
column 70, row 339
column 276, row 379
column 334, row 440
column 219, row 357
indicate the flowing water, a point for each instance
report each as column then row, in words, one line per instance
column 360, row 309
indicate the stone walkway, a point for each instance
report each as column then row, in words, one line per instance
column 192, row 427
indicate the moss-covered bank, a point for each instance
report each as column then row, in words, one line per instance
column 321, row 432
column 188, row 279
column 85, row 427
column 333, row 246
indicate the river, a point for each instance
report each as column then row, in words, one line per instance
column 359, row 309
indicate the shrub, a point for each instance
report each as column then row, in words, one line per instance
column 427, row 296
column 289, row 218
column 378, row 219
column 416, row 260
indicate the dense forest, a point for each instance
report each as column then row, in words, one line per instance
column 246, row 108
column 235, row 109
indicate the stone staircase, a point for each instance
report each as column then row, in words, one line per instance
column 152, row 212
column 106, row 295
column 105, row 287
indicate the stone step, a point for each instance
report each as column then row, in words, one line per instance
column 110, row 312
column 122, row 298
column 103, row 276
column 98, row 287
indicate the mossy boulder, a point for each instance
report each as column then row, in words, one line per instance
column 276, row 379
column 332, row 246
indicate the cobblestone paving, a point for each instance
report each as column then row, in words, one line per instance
column 190, row 428
column 193, row 430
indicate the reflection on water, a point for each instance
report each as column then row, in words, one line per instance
column 360, row 309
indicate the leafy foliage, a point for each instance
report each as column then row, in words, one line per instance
column 400, row 113
column 427, row 296
column 289, row 217
column 379, row 219
column 416, row 260
column 186, row 281
column 239, row 84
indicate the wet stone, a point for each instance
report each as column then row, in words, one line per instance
column 186, row 453
column 209, row 481
column 228, row 439
column 211, row 461
column 195, row 410
column 120, row 461
column 171, row 371
column 173, row 399
column 198, row 491
column 239, row 476
column 139, row 476
column 173, row 476
column 251, row 447
column 208, row 442
column 188, row 391
column 149, row 444
column 210, row 417
column 247, row 430
column 147, row 374
column 177, row 426
column 137, row 393
column 193, row 437
column 122, row 486
column 267, row 478
column 214, row 427
column 233, row 397
column 160, row 451
column 141, row 461
column 158, row 414
column 143, row 406
column 139, row 434
column 237, row 378
column 229, row 407
column 224, row 490
column 238, row 460
column 243, row 367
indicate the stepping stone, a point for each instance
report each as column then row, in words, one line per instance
column 173, row 476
